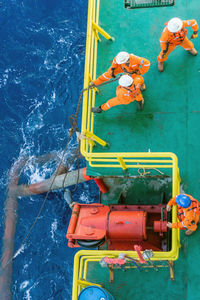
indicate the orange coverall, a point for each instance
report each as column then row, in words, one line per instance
column 169, row 40
column 126, row 95
column 188, row 217
column 135, row 64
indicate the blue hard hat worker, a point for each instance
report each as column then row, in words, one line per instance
column 188, row 213
column 183, row 200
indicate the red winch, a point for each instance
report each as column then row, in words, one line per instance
column 122, row 226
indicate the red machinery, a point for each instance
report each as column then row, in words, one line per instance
column 121, row 226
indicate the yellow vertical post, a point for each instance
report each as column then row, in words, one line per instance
column 122, row 163
column 96, row 28
column 171, row 266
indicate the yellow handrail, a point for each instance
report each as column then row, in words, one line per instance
column 145, row 160
column 92, row 39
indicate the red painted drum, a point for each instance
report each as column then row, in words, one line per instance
column 127, row 225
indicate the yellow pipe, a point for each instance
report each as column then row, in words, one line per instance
column 134, row 154
column 138, row 161
column 132, row 166
column 158, row 255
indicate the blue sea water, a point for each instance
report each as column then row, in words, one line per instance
column 42, row 49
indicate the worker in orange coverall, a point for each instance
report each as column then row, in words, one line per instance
column 175, row 34
column 188, row 213
column 124, row 63
column 127, row 92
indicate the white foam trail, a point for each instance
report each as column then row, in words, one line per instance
column 21, row 250
column 54, row 227
column 24, row 284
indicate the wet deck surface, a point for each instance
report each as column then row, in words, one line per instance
column 170, row 121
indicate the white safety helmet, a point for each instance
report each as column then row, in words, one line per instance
column 125, row 80
column 122, row 57
column 174, row 25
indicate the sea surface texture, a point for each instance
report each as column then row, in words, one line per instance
column 42, row 50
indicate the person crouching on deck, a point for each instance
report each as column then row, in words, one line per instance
column 127, row 92
column 188, row 213
column 123, row 63
column 175, row 34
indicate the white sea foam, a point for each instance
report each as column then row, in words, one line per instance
column 27, row 292
column 85, row 198
column 54, row 227
column 24, row 284
column 4, row 79
column 19, row 251
column 53, row 96
column 35, row 175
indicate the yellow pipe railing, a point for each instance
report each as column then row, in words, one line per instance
column 171, row 163
column 83, row 257
column 92, row 39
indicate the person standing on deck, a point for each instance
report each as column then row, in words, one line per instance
column 188, row 213
column 175, row 34
column 127, row 92
column 123, row 63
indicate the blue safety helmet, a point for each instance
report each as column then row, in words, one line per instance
column 183, row 200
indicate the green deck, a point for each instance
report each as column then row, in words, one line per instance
column 170, row 122
column 170, row 119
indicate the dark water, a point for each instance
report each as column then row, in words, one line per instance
column 41, row 75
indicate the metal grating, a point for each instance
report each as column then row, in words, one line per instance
column 130, row 4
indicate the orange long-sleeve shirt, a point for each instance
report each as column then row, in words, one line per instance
column 127, row 95
column 170, row 38
column 135, row 63
column 188, row 217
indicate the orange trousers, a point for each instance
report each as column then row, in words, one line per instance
column 186, row 44
column 119, row 101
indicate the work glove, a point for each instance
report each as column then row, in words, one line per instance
column 112, row 73
column 128, row 73
column 194, row 35
column 164, row 54
column 169, row 224
column 91, row 84
column 168, row 208
column 137, row 72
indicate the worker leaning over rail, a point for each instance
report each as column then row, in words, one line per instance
column 188, row 213
column 175, row 34
column 127, row 92
column 124, row 63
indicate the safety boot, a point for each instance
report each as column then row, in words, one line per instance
column 97, row 109
column 193, row 51
column 160, row 66
column 143, row 87
column 141, row 104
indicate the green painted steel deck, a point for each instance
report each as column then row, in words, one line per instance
column 169, row 122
